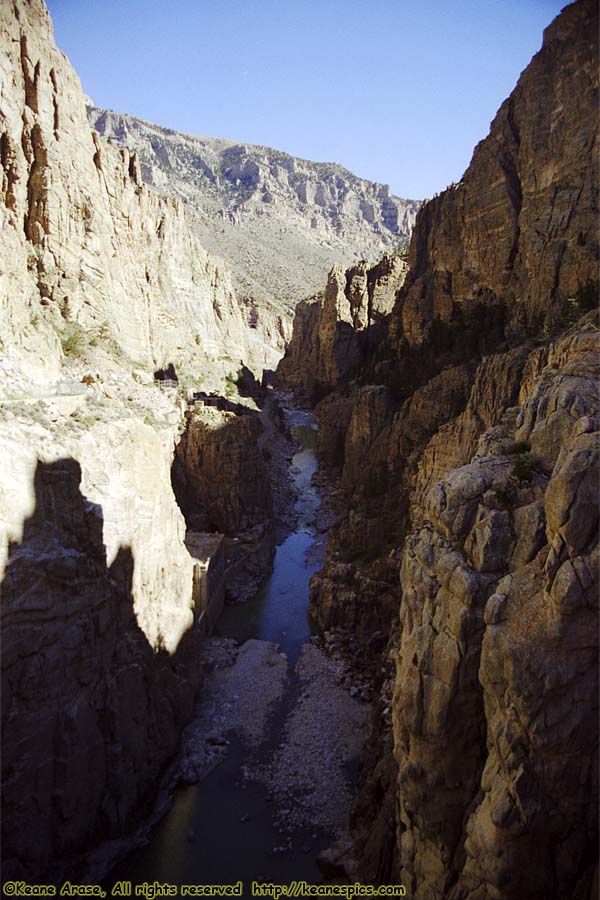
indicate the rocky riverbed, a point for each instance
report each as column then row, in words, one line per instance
column 274, row 747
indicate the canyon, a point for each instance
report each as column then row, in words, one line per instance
column 244, row 584
column 279, row 222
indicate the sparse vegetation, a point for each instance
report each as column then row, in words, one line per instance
column 376, row 481
column 585, row 299
column 230, row 386
column 361, row 555
column 523, row 467
column 73, row 340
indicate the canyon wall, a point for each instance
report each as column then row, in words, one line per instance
column 222, row 484
column 333, row 333
column 88, row 249
column 521, row 225
column 466, row 436
column 279, row 222
column 102, row 283
column 98, row 624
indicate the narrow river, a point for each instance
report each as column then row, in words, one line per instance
column 228, row 827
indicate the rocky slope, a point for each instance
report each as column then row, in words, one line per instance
column 467, row 435
column 279, row 222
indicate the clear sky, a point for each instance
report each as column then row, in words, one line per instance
column 398, row 91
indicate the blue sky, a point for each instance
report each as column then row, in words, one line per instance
column 398, row 91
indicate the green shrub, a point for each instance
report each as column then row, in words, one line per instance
column 73, row 340
column 376, row 481
column 523, row 466
column 586, row 298
column 521, row 447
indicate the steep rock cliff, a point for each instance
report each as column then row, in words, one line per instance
column 473, row 410
column 333, row 333
column 97, row 623
column 101, row 283
column 521, row 225
column 222, row 484
column 280, row 222
column 86, row 247
column 495, row 705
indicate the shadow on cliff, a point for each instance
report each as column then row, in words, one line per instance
column 90, row 712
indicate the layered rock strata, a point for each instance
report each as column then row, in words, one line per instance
column 91, row 255
column 102, row 285
column 280, row 222
column 521, row 225
column 467, row 439
column 333, row 333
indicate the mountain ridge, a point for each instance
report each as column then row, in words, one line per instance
column 280, row 222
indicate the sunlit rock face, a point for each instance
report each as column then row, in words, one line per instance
column 279, row 222
column 85, row 242
column 98, row 618
column 333, row 332
column 495, row 704
column 521, row 225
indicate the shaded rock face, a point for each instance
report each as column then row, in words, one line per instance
column 87, row 246
column 279, row 222
column 468, row 454
column 219, row 474
column 222, row 484
column 86, row 698
column 521, row 225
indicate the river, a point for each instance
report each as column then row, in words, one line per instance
column 229, row 826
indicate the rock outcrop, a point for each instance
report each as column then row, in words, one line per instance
column 495, row 705
column 222, row 484
column 102, row 286
column 334, row 332
column 520, row 228
column 279, row 222
column 466, row 436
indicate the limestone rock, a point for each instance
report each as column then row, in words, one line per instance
column 222, row 484
column 332, row 333
column 471, row 476
column 278, row 221
column 98, row 634
column 93, row 256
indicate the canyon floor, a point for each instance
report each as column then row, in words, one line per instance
column 266, row 772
